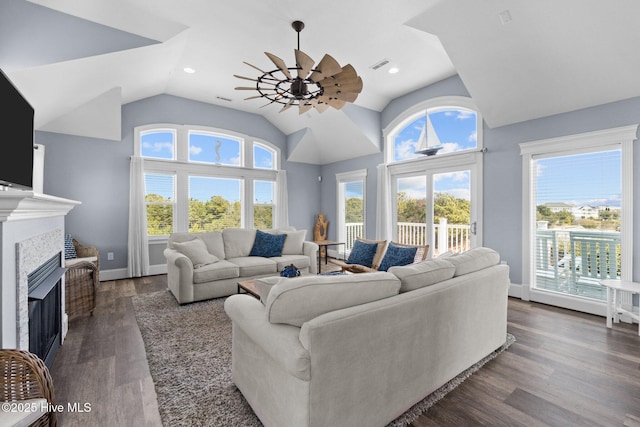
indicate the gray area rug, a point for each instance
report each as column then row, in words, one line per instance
column 189, row 353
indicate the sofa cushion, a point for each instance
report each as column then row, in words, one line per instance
column 397, row 255
column 264, row 284
column 254, row 266
column 217, row 271
column 69, row 248
column 300, row 261
column 297, row 300
column 362, row 253
column 213, row 240
column 238, row 242
column 473, row 260
column 423, row 273
column 267, row 244
column 196, row 251
column 294, row 242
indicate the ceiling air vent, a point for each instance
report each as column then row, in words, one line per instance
column 380, row 64
column 221, row 98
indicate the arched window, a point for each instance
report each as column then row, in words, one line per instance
column 433, row 167
column 206, row 179
column 440, row 126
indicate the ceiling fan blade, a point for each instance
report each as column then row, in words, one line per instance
column 280, row 64
column 318, row 105
column 327, row 67
column 287, row 105
column 304, row 63
column 254, row 88
column 335, row 103
column 322, row 107
column 254, row 97
column 303, row 108
column 268, row 104
column 253, row 66
column 274, row 99
column 350, row 86
column 345, row 96
column 246, row 78
column 348, row 74
column 256, row 80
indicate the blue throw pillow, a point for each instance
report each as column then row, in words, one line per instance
column 267, row 245
column 362, row 253
column 397, row 256
column 69, row 249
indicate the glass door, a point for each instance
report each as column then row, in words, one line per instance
column 578, row 222
column 452, row 227
column 411, row 210
column 435, row 208
column 351, row 207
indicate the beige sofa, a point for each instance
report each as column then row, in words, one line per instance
column 197, row 271
column 360, row 350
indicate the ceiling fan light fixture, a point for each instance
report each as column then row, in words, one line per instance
column 326, row 85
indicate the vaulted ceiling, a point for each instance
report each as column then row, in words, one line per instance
column 78, row 61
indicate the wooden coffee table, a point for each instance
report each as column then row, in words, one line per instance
column 248, row 287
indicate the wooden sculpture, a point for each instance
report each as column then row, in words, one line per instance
column 320, row 229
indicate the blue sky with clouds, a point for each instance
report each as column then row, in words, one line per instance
column 456, row 130
column 207, row 148
column 582, row 179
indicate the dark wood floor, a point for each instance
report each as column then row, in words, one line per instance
column 565, row 369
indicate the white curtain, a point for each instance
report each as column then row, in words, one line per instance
column 138, row 264
column 282, row 202
column 384, row 227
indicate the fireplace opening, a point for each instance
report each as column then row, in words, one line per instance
column 45, row 309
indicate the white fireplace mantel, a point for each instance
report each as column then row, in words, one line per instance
column 20, row 205
column 31, row 231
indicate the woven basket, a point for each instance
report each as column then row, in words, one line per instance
column 81, row 281
column 25, row 376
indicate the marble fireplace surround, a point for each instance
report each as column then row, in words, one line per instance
column 31, row 232
column 31, row 254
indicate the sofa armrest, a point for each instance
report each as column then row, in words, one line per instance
column 179, row 275
column 353, row 268
column 310, row 249
column 280, row 342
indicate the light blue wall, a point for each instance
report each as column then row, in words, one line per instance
column 503, row 172
column 329, row 192
column 502, row 167
column 96, row 172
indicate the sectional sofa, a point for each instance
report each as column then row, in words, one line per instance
column 360, row 350
column 208, row 265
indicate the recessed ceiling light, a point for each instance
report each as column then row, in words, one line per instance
column 189, row 70
column 393, row 70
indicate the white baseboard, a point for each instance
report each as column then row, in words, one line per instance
column 515, row 290
column 123, row 273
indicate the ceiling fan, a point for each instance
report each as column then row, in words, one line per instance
column 326, row 85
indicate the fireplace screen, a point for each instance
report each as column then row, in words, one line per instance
column 45, row 309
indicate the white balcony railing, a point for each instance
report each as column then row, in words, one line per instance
column 447, row 237
column 574, row 261
column 354, row 229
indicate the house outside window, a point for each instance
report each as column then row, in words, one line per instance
column 206, row 179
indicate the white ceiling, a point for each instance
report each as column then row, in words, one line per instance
column 547, row 57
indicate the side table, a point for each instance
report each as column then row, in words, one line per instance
column 614, row 308
column 325, row 244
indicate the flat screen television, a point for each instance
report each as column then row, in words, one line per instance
column 16, row 122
